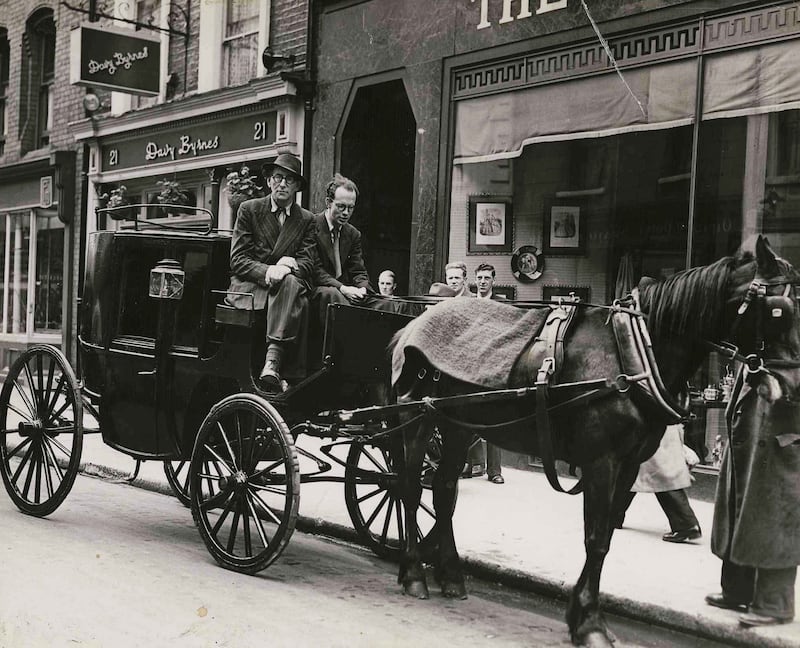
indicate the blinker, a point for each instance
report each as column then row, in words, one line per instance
column 166, row 280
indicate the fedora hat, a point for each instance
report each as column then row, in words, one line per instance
column 286, row 162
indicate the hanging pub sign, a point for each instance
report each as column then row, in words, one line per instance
column 113, row 58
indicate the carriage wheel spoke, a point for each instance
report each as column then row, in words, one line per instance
column 234, row 526
column 49, row 388
column 25, row 459
column 31, row 467
column 386, row 522
column 37, row 403
column 267, row 469
column 227, row 445
column 51, row 403
column 223, row 515
column 257, row 521
column 48, row 477
column 401, row 530
column 378, row 490
column 380, row 467
column 26, row 441
column 52, row 455
column 54, row 415
column 275, row 490
column 377, row 510
column 248, row 547
column 214, row 500
column 37, row 486
column 266, row 508
column 26, row 400
column 67, row 453
column 19, row 412
column 220, row 460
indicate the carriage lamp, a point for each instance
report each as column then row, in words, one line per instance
column 166, row 280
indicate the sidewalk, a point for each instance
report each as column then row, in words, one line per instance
column 525, row 534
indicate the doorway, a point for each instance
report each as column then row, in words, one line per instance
column 377, row 152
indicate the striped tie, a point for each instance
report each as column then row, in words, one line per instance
column 281, row 215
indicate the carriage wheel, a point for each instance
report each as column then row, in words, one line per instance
column 177, row 473
column 41, row 430
column 244, row 483
column 372, row 495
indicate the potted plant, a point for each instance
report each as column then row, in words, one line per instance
column 170, row 194
column 117, row 197
column 242, row 186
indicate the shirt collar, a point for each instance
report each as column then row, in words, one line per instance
column 274, row 207
column 331, row 226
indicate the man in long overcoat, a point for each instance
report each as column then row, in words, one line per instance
column 272, row 259
column 756, row 528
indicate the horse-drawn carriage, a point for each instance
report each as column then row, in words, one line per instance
column 165, row 373
column 167, row 370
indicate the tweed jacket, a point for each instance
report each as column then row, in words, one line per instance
column 354, row 272
column 260, row 241
column 757, row 509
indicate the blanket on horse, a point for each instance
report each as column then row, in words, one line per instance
column 473, row 340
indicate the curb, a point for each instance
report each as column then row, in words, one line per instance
column 619, row 606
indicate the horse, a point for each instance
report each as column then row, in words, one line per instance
column 743, row 304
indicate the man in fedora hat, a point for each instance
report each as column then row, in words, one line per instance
column 272, row 259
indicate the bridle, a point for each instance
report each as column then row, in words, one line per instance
column 756, row 295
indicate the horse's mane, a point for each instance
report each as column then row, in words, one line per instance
column 689, row 304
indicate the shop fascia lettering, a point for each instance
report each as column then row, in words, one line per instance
column 119, row 60
column 545, row 6
column 186, row 146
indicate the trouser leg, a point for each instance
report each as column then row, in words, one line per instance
column 492, row 460
column 738, row 582
column 774, row 592
column 284, row 309
column 476, row 457
column 678, row 510
column 322, row 297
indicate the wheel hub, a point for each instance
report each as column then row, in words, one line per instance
column 30, row 428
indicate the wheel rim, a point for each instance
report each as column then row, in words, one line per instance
column 372, row 494
column 178, row 478
column 42, row 435
column 245, row 484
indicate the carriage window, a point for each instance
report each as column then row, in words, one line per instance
column 190, row 308
column 138, row 314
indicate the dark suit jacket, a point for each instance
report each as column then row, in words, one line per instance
column 354, row 273
column 259, row 241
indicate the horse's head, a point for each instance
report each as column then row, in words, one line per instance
column 764, row 319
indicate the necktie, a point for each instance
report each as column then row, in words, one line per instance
column 337, row 260
column 281, row 214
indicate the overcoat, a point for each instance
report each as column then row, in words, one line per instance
column 757, row 508
column 259, row 241
column 666, row 470
column 354, row 272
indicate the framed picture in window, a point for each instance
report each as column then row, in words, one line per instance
column 554, row 292
column 564, row 227
column 491, row 224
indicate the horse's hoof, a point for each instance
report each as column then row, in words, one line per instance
column 454, row 590
column 597, row 639
column 416, row 589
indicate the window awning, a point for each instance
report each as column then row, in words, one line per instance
column 753, row 80
column 499, row 126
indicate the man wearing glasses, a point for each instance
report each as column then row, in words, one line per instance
column 340, row 275
column 272, row 258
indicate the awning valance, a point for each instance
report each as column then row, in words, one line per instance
column 499, row 126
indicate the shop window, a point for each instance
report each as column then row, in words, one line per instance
column 15, row 288
column 240, row 42
column 38, row 74
column 4, row 56
column 49, row 279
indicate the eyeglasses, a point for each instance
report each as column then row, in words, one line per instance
column 344, row 207
column 280, row 178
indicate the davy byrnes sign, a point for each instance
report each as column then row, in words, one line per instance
column 105, row 57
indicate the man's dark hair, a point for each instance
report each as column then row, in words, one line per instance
column 485, row 266
column 340, row 181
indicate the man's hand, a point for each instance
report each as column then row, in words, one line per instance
column 276, row 273
column 289, row 262
column 353, row 294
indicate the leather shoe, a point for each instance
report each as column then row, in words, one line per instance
column 751, row 619
column 682, row 536
column 270, row 382
column 721, row 601
column 497, row 479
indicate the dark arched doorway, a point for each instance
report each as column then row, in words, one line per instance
column 377, row 152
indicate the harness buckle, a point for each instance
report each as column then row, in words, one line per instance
column 753, row 363
column 546, row 370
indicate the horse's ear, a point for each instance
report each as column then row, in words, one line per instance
column 766, row 258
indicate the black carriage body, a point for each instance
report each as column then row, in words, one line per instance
column 153, row 368
column 146, row 363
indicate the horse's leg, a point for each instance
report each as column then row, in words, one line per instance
column 455, row 445
column 412, row 574
column 586, row 623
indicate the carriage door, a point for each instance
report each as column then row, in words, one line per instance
column 131, row 409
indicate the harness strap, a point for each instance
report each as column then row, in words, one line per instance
column 545, row 440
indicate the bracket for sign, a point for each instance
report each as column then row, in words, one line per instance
column 179, row 12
